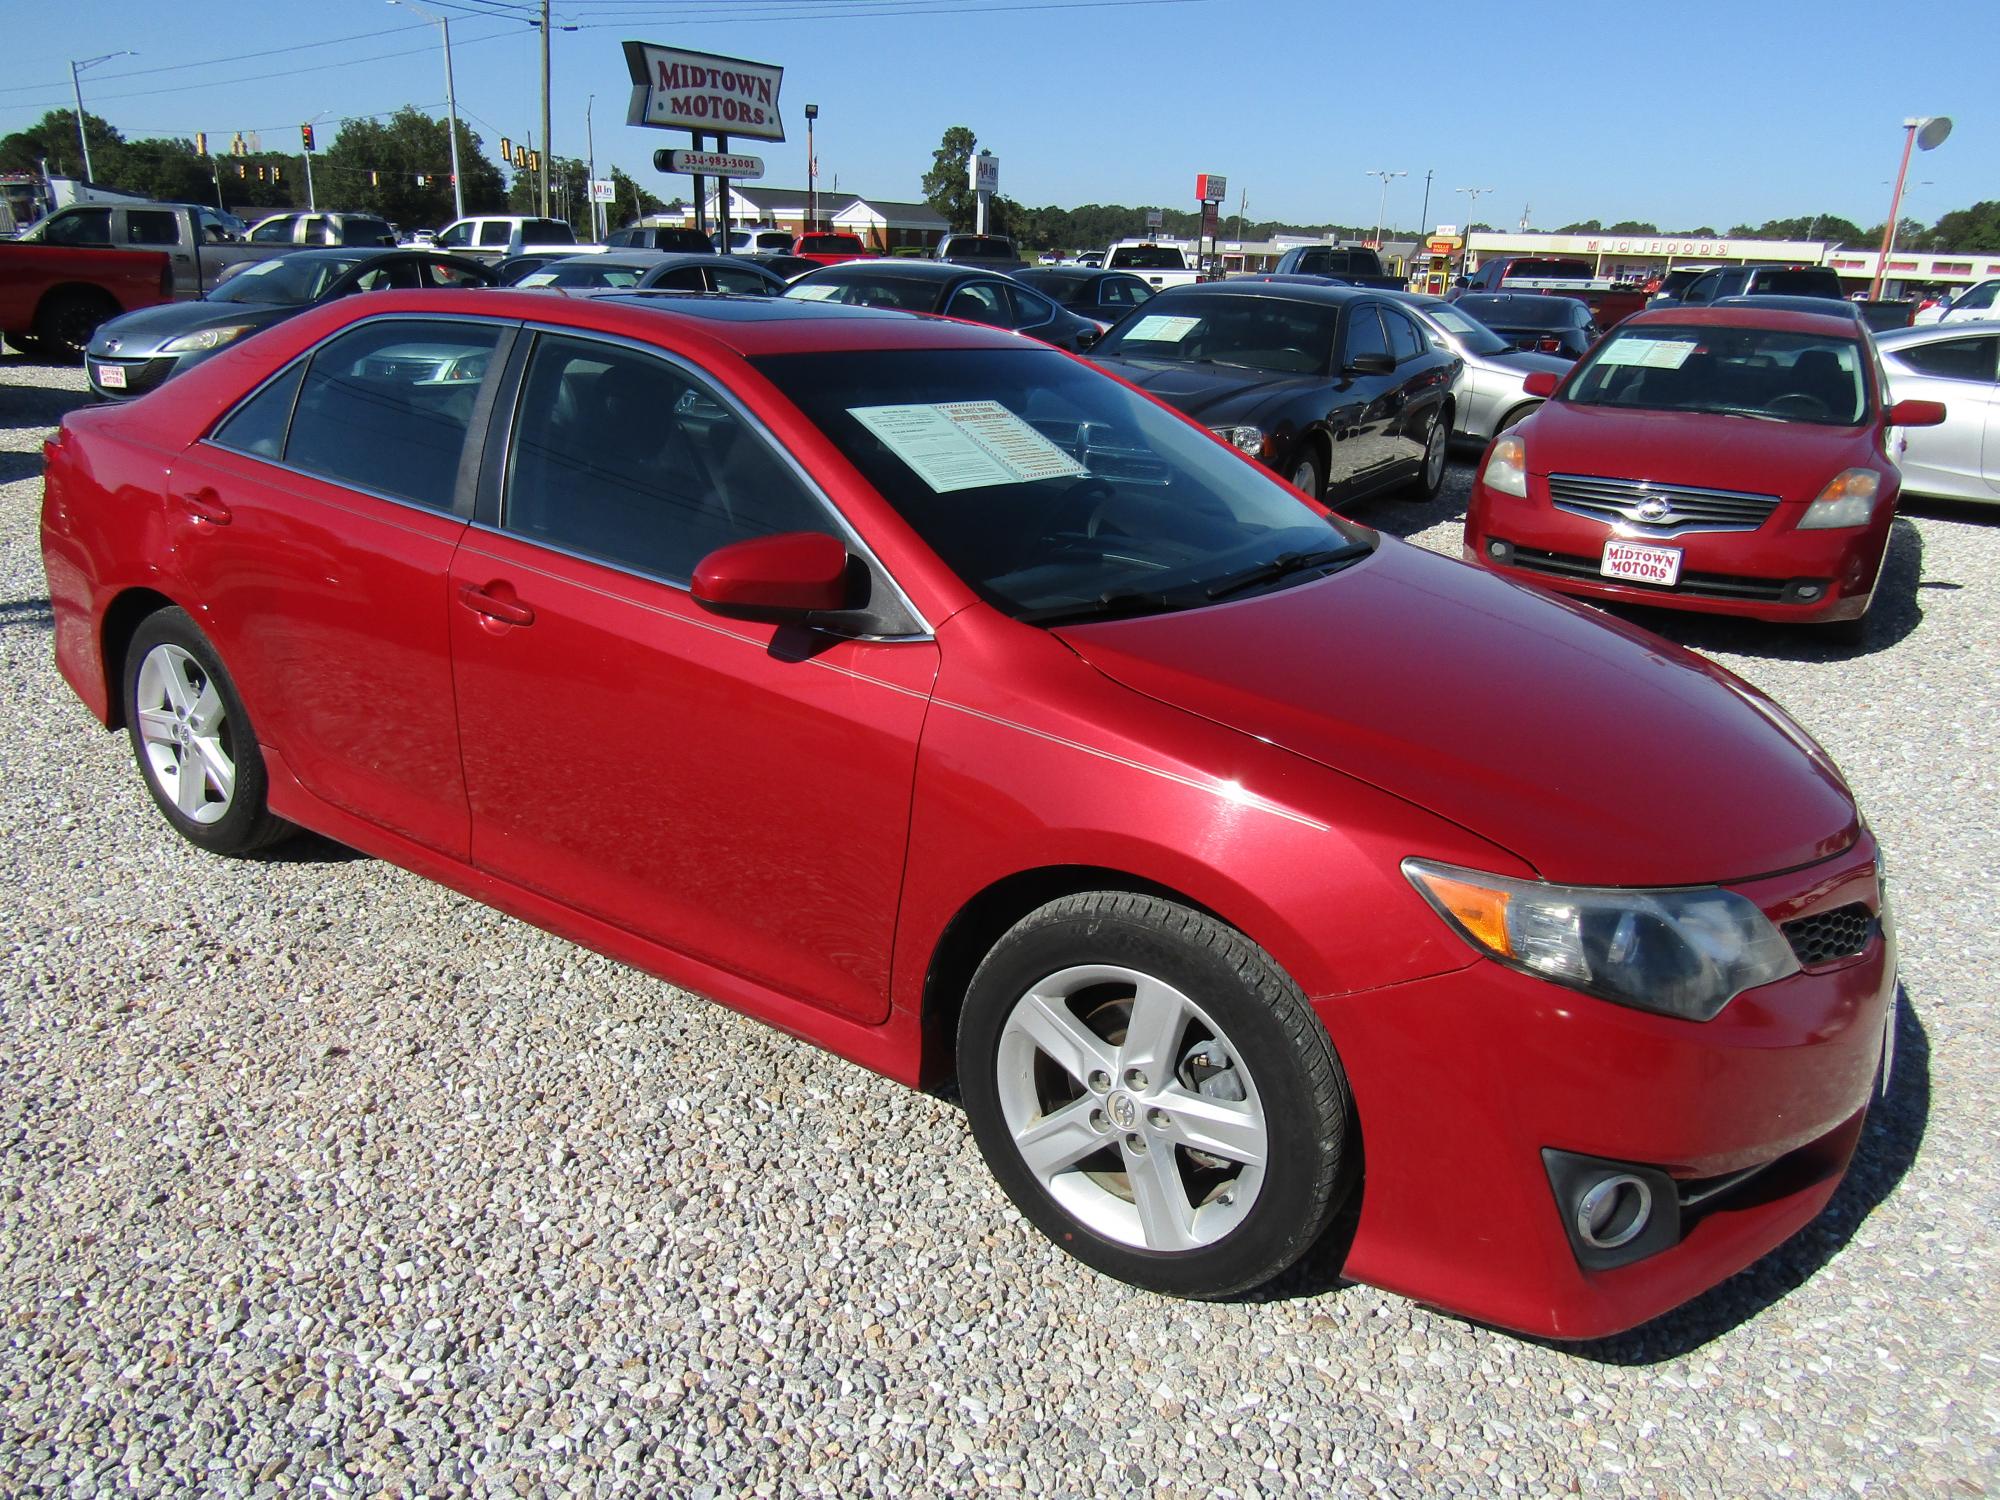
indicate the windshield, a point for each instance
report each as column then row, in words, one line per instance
column 583, row 272
column 972, row 244
column 1535, row 268
column 547, row 232
column 1258, row 333
column 285, row 281
column 1475, row 336
column 1147, row 258
column 870, row 289
column 1742, row 372
column 1053, row 491
column 1523, row 312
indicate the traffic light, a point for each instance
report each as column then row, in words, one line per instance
column 306, row 135
column 241, row 170
column 534, row 161
column 506, row 149
column 260, row 171
column 201, row 143
column 374, row 178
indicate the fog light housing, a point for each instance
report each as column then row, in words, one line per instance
column 1613, row 1212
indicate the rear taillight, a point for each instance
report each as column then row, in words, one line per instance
column 1547, row 344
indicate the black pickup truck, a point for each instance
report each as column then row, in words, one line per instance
column 1356, row 265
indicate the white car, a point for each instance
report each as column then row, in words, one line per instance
column 1958, row 364
column 1974, row 304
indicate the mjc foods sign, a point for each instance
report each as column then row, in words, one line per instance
column 675, row 90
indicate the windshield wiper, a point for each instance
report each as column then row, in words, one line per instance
column 1285, row 564
column 1108, row 606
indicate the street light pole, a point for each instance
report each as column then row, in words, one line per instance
column 76, row 88
column 548, row 148
column 1922, row 133
column 590, row 168
column 450, row 103
column 1382, row 208
column 1424, row 217
column 812, row 172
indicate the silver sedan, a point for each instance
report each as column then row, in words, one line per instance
column 1958, row 364
column 1490, row 394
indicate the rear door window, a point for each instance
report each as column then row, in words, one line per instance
column 1031, row 309
column 740, row 279
column 1404, row 341
column 1364, row 334
column 386, row 406
column 1954, row 359
column 981, row 302
column 151, row 226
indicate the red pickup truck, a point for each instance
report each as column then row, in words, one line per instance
column 830, row 249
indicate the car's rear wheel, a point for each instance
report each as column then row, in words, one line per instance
column 66, row 320
column 1430, row 469
column 1154, row 1093
column 192, row 738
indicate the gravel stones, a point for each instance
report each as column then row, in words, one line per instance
column 316, row 1175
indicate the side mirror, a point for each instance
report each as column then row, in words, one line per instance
column 779, row 578
column 1372, row 364
column 1914, row 414
column 1542, row 383
column 1088, row 338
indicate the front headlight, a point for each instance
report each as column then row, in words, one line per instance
column 1507, row 467
column 1249, row 439
column 207, row 338
column 1683, row 952
column 1846, row 501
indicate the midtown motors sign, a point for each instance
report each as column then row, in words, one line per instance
column 675, row 90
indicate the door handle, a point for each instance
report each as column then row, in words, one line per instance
column 506, row 611
column 205, row 505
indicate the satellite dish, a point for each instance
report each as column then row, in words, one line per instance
column 1933, row 132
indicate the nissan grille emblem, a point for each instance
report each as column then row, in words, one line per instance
column 1653, row 508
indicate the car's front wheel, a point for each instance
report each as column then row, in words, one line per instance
column 192, row 738
column 1154, row 1093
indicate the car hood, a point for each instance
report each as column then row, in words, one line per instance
column 1590, row 748
column 1209, row 393
column 1792, row 460
column 143, row 332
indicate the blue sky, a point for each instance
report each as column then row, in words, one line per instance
column 1683, row 114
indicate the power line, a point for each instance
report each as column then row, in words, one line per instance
column 795, row 15
column 335, row 41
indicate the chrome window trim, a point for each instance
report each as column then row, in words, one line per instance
column 707, row 381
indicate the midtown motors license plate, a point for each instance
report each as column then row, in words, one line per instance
column 111, row 377
column 1641, row 564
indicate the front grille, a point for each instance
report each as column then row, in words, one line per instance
column 1662, row 509
column 1831, row 935
column 1708, row 585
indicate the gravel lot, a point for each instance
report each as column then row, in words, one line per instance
column 315, row 1175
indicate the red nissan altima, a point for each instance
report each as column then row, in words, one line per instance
column 1731, row 460
column 927, row 693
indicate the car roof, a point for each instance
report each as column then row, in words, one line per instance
column 1963, row 328
column 1791, row 302
column 1323, row 289
column 1749, row 312
column 1072, row 273
column 908, row 267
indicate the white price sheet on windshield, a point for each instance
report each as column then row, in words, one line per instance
column 967, row 445
column 1652, row 354
column 1159, row 328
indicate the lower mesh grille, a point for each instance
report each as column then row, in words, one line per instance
column 1831, row 935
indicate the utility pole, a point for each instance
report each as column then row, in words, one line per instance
column 82, row 139
column 1424, row 218
column 590, row 170
column 548, row 149
column 450, row 103
column 812, row 172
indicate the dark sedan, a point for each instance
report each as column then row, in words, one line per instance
column 924, row 286
column 1528, row 320
column 1102, row 296
column 132, row 354
column 1334, row 387
column 644, row 270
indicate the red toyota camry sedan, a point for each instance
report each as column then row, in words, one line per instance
column 1730, row 460
column 926, row 693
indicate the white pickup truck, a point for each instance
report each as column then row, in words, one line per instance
column 1157, row 265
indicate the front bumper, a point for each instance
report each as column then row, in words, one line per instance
column 1776, row 573
column 133, row 377
column 1463, row 1081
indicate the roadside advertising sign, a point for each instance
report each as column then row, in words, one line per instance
column 728, row 164
column 676, row 90
column 1211, row 187
column 986, row 173
column 603, row 190
column 1155, row 218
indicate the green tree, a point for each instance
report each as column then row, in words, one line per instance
column 1633, row 226
column 51, row 141
column 1582, row 226
column 1975, row 229
column 373, row 166
column 947, row 185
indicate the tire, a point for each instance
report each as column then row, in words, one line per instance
column 1250, row 1071
column 183, row 713
column 1430, row 469
column 66, row 320
column 1308, row 475
column 25, row 343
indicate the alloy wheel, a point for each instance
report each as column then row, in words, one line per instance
column 185, row 730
